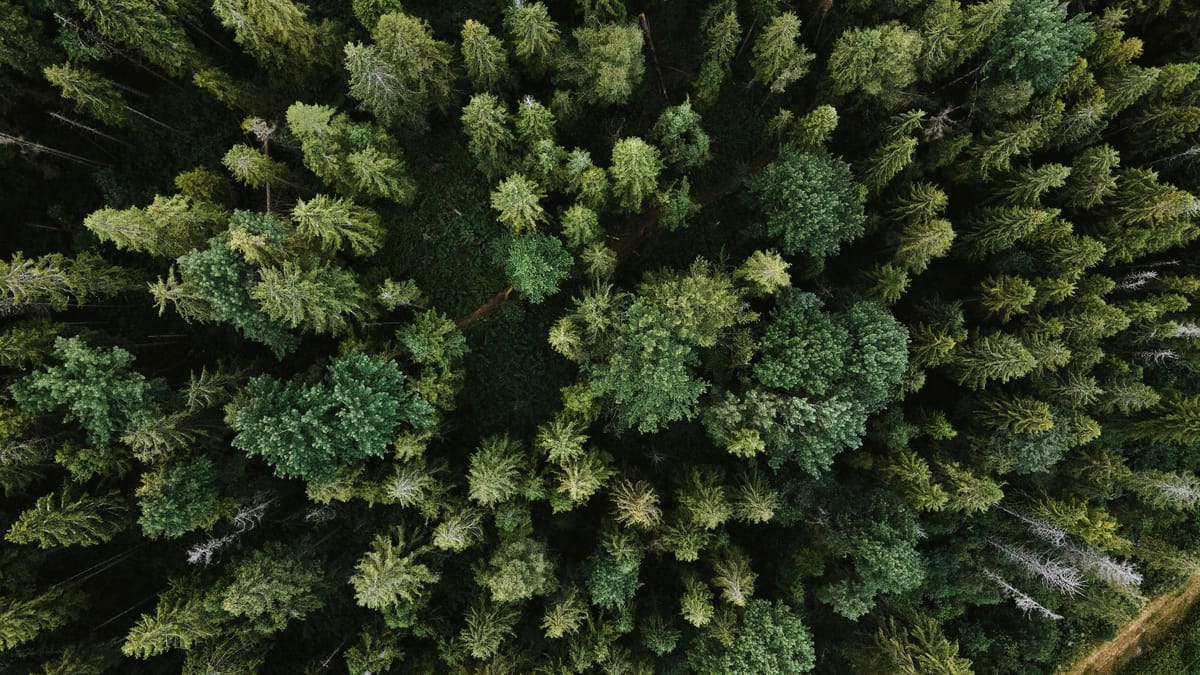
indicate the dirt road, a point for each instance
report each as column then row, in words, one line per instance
column 1156, row 618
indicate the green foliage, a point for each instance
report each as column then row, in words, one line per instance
column 95, row 95
column 357, row 159
column 216, row 285
column 678, row 133
column 516, row 199
column 520, row 569
column 389, row 573
column 330, row 223
column 537, row 263
column 318, row 300
column 607, row 63
column 534, row 34
column 779, row 58
column 635, row 169
column 97, row 386
column 168, row 228
column 21, row 620
column 879, row 61
column 275, row 32
column 305, row 431
column 484, row 57
column 772, row 639
column 740, row 428
column 1037, row 42
column 64, row 520
column 808, row 202
column 403, row 74
column 272, row 586
column 178, row 499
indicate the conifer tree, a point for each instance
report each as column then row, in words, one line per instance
column 722, row 35
column 678, row 133
column 272, row 586
column 389, row 574
column 403, row 74
column 878, row 61
column 1037, row 42
column 635, row 169
column 169, row 227
column 779, row 58
column 320, row 300
column 607, row 63
column 809, row 202
column 996, row 356
column 94, row 94
column 331, row 223
column 516, row 199
column 484, row 56
column 21, row 620
column 63, row 520
column 275, row 32
column 534, row 34
column 97, row 387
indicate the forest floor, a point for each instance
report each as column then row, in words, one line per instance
column 1157, row 617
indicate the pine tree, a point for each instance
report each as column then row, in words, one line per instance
column 1005, row 296
column 635, row 169
column 765, row 272
column 389, row 574
column 536, row 264
column 516, row 199
column 920, row 242
column 678, row 133
column 168, row 228
column 63, row 520
column 150, row 29
column 253, row 168
column 879, row 61
column 565, row 616
column 722, row 35
column 997, row 149
column 272, row 586
column 307, row 430
column 496, row 471
column 636, row 504
column 320, row 300
column 534, row 34
column 97, row 387
column 484, row 56
column 1000, row 227
column 778, row 57
column 22, row 620
column 607, row 63
column 808, row 201
column 996, row 356
column 702, row 497
column 1019, row 414
column 1176, row 418
column 94, row 94
column 331, row 223
column 1037, row 42
column 489, row 138
column 52, row 281
column 275, row 32
column 403, row 74
column 889, row 282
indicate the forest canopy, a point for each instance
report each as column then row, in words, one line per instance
column 595, row 336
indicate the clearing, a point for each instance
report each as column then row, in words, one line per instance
column 1158, row 616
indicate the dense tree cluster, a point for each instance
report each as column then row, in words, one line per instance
column 565, row 336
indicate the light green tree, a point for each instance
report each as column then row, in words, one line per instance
column 779, row 59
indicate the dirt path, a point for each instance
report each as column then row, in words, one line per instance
column 1158, row 616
